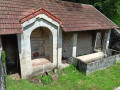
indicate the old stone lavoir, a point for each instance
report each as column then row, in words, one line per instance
column 40, row 35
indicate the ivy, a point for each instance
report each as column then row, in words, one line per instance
column 3, row 57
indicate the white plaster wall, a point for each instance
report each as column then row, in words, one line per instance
column 59, row 47
column 84, row 43
column 74, row 40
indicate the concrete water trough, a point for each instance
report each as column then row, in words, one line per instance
column 92, row 62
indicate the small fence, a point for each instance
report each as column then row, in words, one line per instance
column 2, row 77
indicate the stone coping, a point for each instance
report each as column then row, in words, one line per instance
column 90, row 57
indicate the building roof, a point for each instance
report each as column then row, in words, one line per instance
column 37, row 12
column 72, row 16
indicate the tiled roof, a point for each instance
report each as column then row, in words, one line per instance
column 73, row 17
column 37, row 12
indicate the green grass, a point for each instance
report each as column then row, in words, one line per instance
column 46, row 79
column 72, row 79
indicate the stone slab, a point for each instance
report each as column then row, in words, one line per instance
column 98, row 64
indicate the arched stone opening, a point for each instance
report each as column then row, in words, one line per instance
column 41, row 45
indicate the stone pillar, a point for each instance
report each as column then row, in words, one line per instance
column 98, row 44
column 55, row 48
column 25, row 55
column 59, row 47
column 74, row 49
column 106, row 41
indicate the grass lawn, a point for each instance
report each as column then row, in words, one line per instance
column 72, row 79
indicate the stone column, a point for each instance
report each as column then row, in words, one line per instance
column 55, row 48
column 106, row 41
column 74, row 48
column 25, row 55
column 59, row 47
column 98, row 44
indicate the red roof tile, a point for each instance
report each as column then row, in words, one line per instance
column 37, row 12
column 73, row 17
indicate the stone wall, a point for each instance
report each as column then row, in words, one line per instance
column 102, row 63
column 98, row 41
column 85, row 43
column 41, row 43
column 2, row 71
column 95, row 65
column 2, row 77
column 67, row 45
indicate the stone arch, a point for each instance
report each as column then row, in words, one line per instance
column 41, row 40
column 27, row 65
column 27, row 33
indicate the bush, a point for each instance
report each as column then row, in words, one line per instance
column 3, row 57
column 46, row 79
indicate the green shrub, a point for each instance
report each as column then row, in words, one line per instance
column 3, row 57
column 46, row 79
column 38, row 77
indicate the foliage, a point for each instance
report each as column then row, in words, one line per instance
column 46, row 79
column 38, row 77
column 117, row 18
column 3, row 57
column 72, row 79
